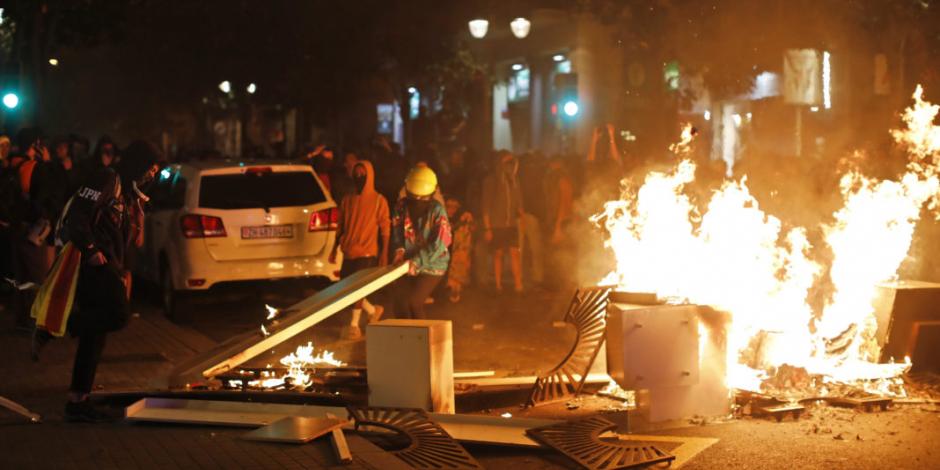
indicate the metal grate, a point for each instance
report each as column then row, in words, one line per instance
column 429, row 447
column 588, row 313
column 580, row 441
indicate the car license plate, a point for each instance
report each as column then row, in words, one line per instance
column 268, row 231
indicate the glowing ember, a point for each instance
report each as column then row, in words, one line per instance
column 735, row 257
column 272, row 312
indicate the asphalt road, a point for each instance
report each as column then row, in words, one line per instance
column 508, row 333
column 519, row 335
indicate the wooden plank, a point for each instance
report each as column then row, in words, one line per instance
column 295, row 320
column 340, row 447
column 20, row 410
column 295, row 430
column 484, row 429
column 221, row 413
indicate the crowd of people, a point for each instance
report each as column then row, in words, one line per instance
column 76, row 221
column 454, row 218
column 37, row 179
column 500, row 222
column 501, row 207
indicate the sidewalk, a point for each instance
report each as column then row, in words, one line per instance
column 139, row 357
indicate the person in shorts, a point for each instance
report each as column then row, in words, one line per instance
column 502, row 218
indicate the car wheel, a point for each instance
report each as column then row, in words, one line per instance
column 173, row 301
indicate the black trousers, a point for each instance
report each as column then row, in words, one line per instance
column 87, row 357
column 411, row 293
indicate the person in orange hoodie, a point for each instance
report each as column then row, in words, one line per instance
column 363, row 218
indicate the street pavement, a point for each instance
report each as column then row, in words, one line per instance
column 141, row 356
column 510, row 334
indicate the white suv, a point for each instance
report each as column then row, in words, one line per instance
column 223, row 221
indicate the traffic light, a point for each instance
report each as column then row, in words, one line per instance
column 11, row 100
column 566, row 96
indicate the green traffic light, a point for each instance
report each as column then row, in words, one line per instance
column 11, row 100
column 571, row 108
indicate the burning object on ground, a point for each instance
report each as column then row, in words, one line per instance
column 731, row 255
column 284, row 325
column 908, row 314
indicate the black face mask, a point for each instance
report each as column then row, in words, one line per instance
column 360, row 182
column 418, row 208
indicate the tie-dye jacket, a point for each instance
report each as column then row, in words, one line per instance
column 433, row 258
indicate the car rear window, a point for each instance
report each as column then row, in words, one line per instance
column 259, row 190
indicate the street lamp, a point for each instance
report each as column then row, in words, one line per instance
column 520, row 27
column 225, row 86
column 478, row 28
column 252, row 88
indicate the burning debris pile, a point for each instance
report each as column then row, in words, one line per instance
column 297, row 367
column 733, row 256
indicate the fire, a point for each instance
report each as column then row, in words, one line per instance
column 737, row 258
column 272, row 312
column 298, row 363
column 302, row 360
column 684, row 146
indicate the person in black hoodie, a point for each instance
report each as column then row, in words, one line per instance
column 104, row 156
column 104, row 222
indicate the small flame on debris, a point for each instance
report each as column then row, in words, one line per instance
column 264, row 331
column 272, row 312
column 298, row 363
column 506, row 415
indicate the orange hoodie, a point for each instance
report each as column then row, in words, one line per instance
column 362, row 217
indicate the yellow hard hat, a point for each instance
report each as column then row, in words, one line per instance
column 421, row 181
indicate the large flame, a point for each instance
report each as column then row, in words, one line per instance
column 735, row 257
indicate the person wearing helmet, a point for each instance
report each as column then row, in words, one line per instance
column 437, row 196
column 421, row 235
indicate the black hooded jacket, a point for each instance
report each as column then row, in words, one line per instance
column 106, row 212
column 95, row 219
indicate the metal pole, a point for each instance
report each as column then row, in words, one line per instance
column 799, row 131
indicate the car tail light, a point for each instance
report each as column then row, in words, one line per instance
column 202, row 226
column 321, row 221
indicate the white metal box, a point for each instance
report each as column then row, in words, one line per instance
column 676, row 353
column 410, row 364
